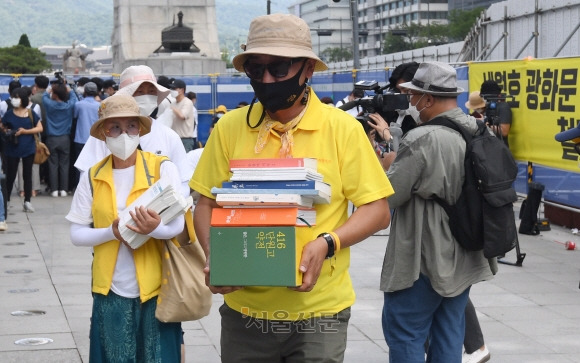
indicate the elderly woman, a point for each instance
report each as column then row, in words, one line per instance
column 125, row 282
column 20, row 124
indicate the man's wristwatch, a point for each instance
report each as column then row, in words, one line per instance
column 330, row 242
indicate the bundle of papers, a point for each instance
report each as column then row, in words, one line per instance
column 160, row 197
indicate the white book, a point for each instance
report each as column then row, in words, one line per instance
column 264, row 174
column 136, row 240
column 160, row 197
column 295, row 200
column 318, row 196
column 144, row 199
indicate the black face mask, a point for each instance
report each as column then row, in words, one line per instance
column 279, row 95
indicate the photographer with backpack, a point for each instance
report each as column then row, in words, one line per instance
column 427, row 274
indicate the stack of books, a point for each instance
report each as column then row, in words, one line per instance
column 291, row 182
column 255, row 231
column 160, row 197
column 240, row 217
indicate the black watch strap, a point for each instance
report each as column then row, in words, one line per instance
column 330, row 242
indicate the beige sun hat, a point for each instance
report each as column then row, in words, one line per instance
column 475, row 101
column 281, row 35
column 435, row 78
column 119, row 106
column 132, row 77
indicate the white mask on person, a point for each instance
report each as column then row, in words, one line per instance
column 16, row 102
column 174, row 93
column 413, row 112
column 80, row 90
column 147, row 104
column 416, row 114
column 123, row 145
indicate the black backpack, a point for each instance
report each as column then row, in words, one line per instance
column 483, row 216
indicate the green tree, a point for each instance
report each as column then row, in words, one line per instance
column 435, row 34
column 414, row 35
column 404, row 37
column 22, row 59
column 24, row 41
column 460, row 22
column 395, row 43
column 336, row 54
column 225, row 56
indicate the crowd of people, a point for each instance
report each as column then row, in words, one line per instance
column 62, row 113
column 146, row 129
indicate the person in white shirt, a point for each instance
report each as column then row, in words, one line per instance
column 353, row 96
column 183, row 120
column 140, row 82
column 193, row 97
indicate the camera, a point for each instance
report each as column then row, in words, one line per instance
column 10, row 136
column 380, row 102
column 491, row 116
column 59, row 78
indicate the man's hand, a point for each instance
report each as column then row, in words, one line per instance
column 218, row 289
column 311, row 262
column 392, row 133
column 380, row 125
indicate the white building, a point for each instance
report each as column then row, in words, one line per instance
column 378, row 17
column 331, row 22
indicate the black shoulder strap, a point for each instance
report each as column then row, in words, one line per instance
column 153, row 114
column 444, row 121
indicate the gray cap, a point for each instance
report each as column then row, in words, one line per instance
column 91, row 88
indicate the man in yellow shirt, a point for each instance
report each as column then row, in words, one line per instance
column 308, row 322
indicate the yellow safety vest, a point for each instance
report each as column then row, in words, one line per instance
column 148, row 256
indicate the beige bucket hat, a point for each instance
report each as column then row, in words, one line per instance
column 119, row 106
column 281, row 35
column 475, row 101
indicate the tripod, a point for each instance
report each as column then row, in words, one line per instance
column 529, row 219
column 519, row 256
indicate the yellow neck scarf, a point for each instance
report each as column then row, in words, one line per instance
column 285, row 131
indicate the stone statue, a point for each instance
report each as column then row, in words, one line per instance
column 74, row 59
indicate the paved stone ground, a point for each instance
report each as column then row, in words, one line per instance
column 528, row 314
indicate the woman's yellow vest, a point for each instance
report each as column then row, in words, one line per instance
column 148, row 256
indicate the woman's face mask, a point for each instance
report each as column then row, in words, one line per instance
column 123, row 145
column 16, row 102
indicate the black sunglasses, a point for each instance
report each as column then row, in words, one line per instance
column 276, row 69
